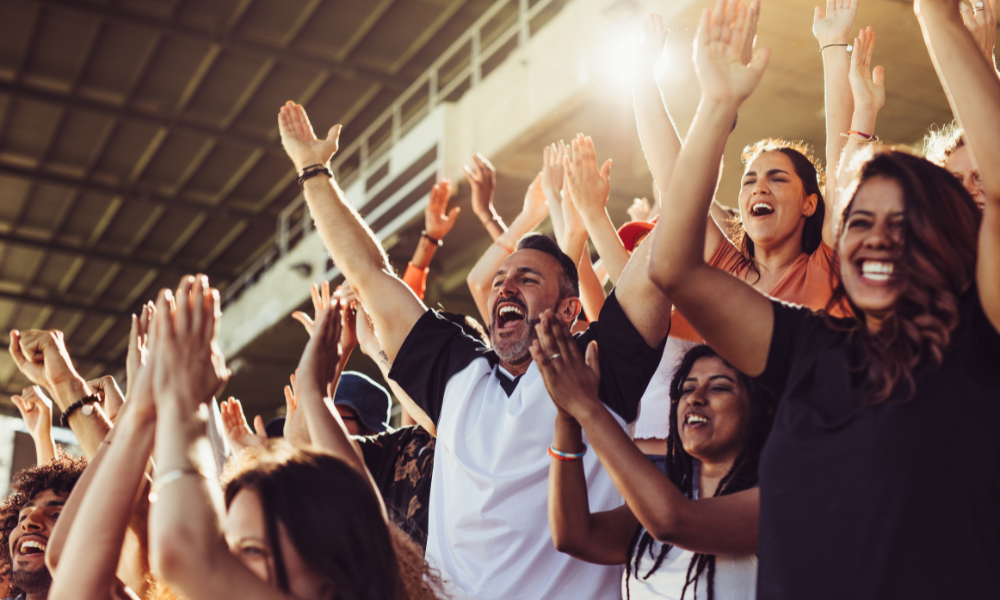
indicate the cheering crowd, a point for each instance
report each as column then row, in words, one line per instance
column 795, row 400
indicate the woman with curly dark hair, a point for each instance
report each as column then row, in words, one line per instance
column 719, row 422
column 875, row 408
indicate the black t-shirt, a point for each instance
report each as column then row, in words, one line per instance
column 900, row 500
column 436, row 349
column 401, row 462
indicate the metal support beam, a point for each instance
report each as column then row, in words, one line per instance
column 55, row 246
column 132, row 194
column 63, row 304
column 130, row 114
column 347, row 70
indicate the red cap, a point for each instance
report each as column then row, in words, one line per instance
column 629, row 232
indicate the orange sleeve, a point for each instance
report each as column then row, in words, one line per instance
column 726, row 258
column 416, row 278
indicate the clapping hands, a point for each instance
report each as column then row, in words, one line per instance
column 483, row 179
column 571, row 380
column 589, row 187
column 724, row 33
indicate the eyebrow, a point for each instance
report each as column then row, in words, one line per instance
column 46, row 504
column 520, row 270
column 712, row 378
column 868, row 213
column 771, row 172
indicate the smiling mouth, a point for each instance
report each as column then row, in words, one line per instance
column 878, row 271
column 31, row 547
column 761, row 209
column 694, row 420
column 509, row 316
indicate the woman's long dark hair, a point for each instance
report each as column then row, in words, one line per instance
column 680, row 469
column 806, row 169
column 937, row 265
column 331, row 515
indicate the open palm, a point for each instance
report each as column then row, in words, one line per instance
column 833, row 26
column 719, row 46
column 867, row 84
column 300, row 141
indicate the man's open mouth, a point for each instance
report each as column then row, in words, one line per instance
column 30, row 547
column 509, row 315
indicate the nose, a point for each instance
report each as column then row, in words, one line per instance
column 697, row 397
column 760, row 187
column 34, row 521
column 880, row 236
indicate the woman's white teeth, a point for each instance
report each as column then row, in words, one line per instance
column 696, row 419
column 761, row 208
column 877, row 270
column 32, row 544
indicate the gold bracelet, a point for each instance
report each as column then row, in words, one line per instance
column 171, row 477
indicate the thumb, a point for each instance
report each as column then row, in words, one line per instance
column 258, row 425
column 878, row 76
column 759, row 61
column 818, row 14
column 606, row 170
column 19, row 402
column 592, row 361
column 334, row 134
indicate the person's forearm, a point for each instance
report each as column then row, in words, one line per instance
column 553, row 200
column 424, row 253
column 970, row 83
column 679, row 243
column 569, row 507
column 839, row 108
column 93, row 546
column 609, row 246
column 863, row 120
column 591, row 291
column 90, row 430
column 660, row 142
column 45, row 448
column 490, row 219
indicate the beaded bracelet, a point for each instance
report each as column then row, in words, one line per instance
column 436, row 241
column 566, row 455
column 86, row 403
column 309, row 174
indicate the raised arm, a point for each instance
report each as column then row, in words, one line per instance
column 723, row 525
column 553, row 179
column 483, row 179
column 438, row 221
column 981, row 21
column 351, row 244
column 974, row 94
column 480, row 278
column 832, row 29
column 36, row 410
column 44, row 360
column 734, row 318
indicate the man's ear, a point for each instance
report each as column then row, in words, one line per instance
column 568, row 310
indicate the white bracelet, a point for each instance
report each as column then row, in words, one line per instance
column 171, row 477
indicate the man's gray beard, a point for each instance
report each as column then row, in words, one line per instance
column 35, row 582
column 514, row 352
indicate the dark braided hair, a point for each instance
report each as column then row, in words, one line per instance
column 680, row 469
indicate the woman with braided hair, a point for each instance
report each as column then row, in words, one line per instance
column 720, row 419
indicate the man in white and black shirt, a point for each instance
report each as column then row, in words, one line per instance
column 488, row 525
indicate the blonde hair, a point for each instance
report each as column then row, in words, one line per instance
column 941, row 143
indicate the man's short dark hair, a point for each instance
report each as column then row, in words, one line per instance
column 569, row 277
column 58, row 475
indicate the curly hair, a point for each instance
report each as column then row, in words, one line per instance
column 809, row 172
column 937, row 266
column 58, row 475
column 680, row 469
column 332, row 517
column 940, row 144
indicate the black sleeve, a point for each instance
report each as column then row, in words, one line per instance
column 627, row 362
column 790, row 320
column 371, row 451
column 434, row 351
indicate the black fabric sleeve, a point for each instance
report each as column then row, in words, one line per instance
column 371, row 451
column 789, row 321
column 434, row 351
column 627, row 362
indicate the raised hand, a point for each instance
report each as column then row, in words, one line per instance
column 867, row 84
column 833, row 26
column 236, row 428
column 291, row 405
column 753, row 13
column 535, row 207
column 44, row 360
column 650, row 44
column 321, row 300
column 639, row 211
column 722, row 35
column 36, row 410
column 300, row 141
column 981, row 20
column 483, row 179
column 573, row 220
column 138, row 344
column 589, row 187
column 348, row 324
column 318, row 365
column 552, row 169
column 571, row 380
column 438, row 220
column 187, row 371
column 110, row 394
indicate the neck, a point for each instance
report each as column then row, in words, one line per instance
column 517, row 369
column 773, row 260
column 712, row 472
column 37, row 596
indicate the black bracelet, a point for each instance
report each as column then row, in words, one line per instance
column 831, row 45
column 433, row 240
column 72, row 408
column 301, row 180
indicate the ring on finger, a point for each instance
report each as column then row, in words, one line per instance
column 555, row 356
column 979, row 6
